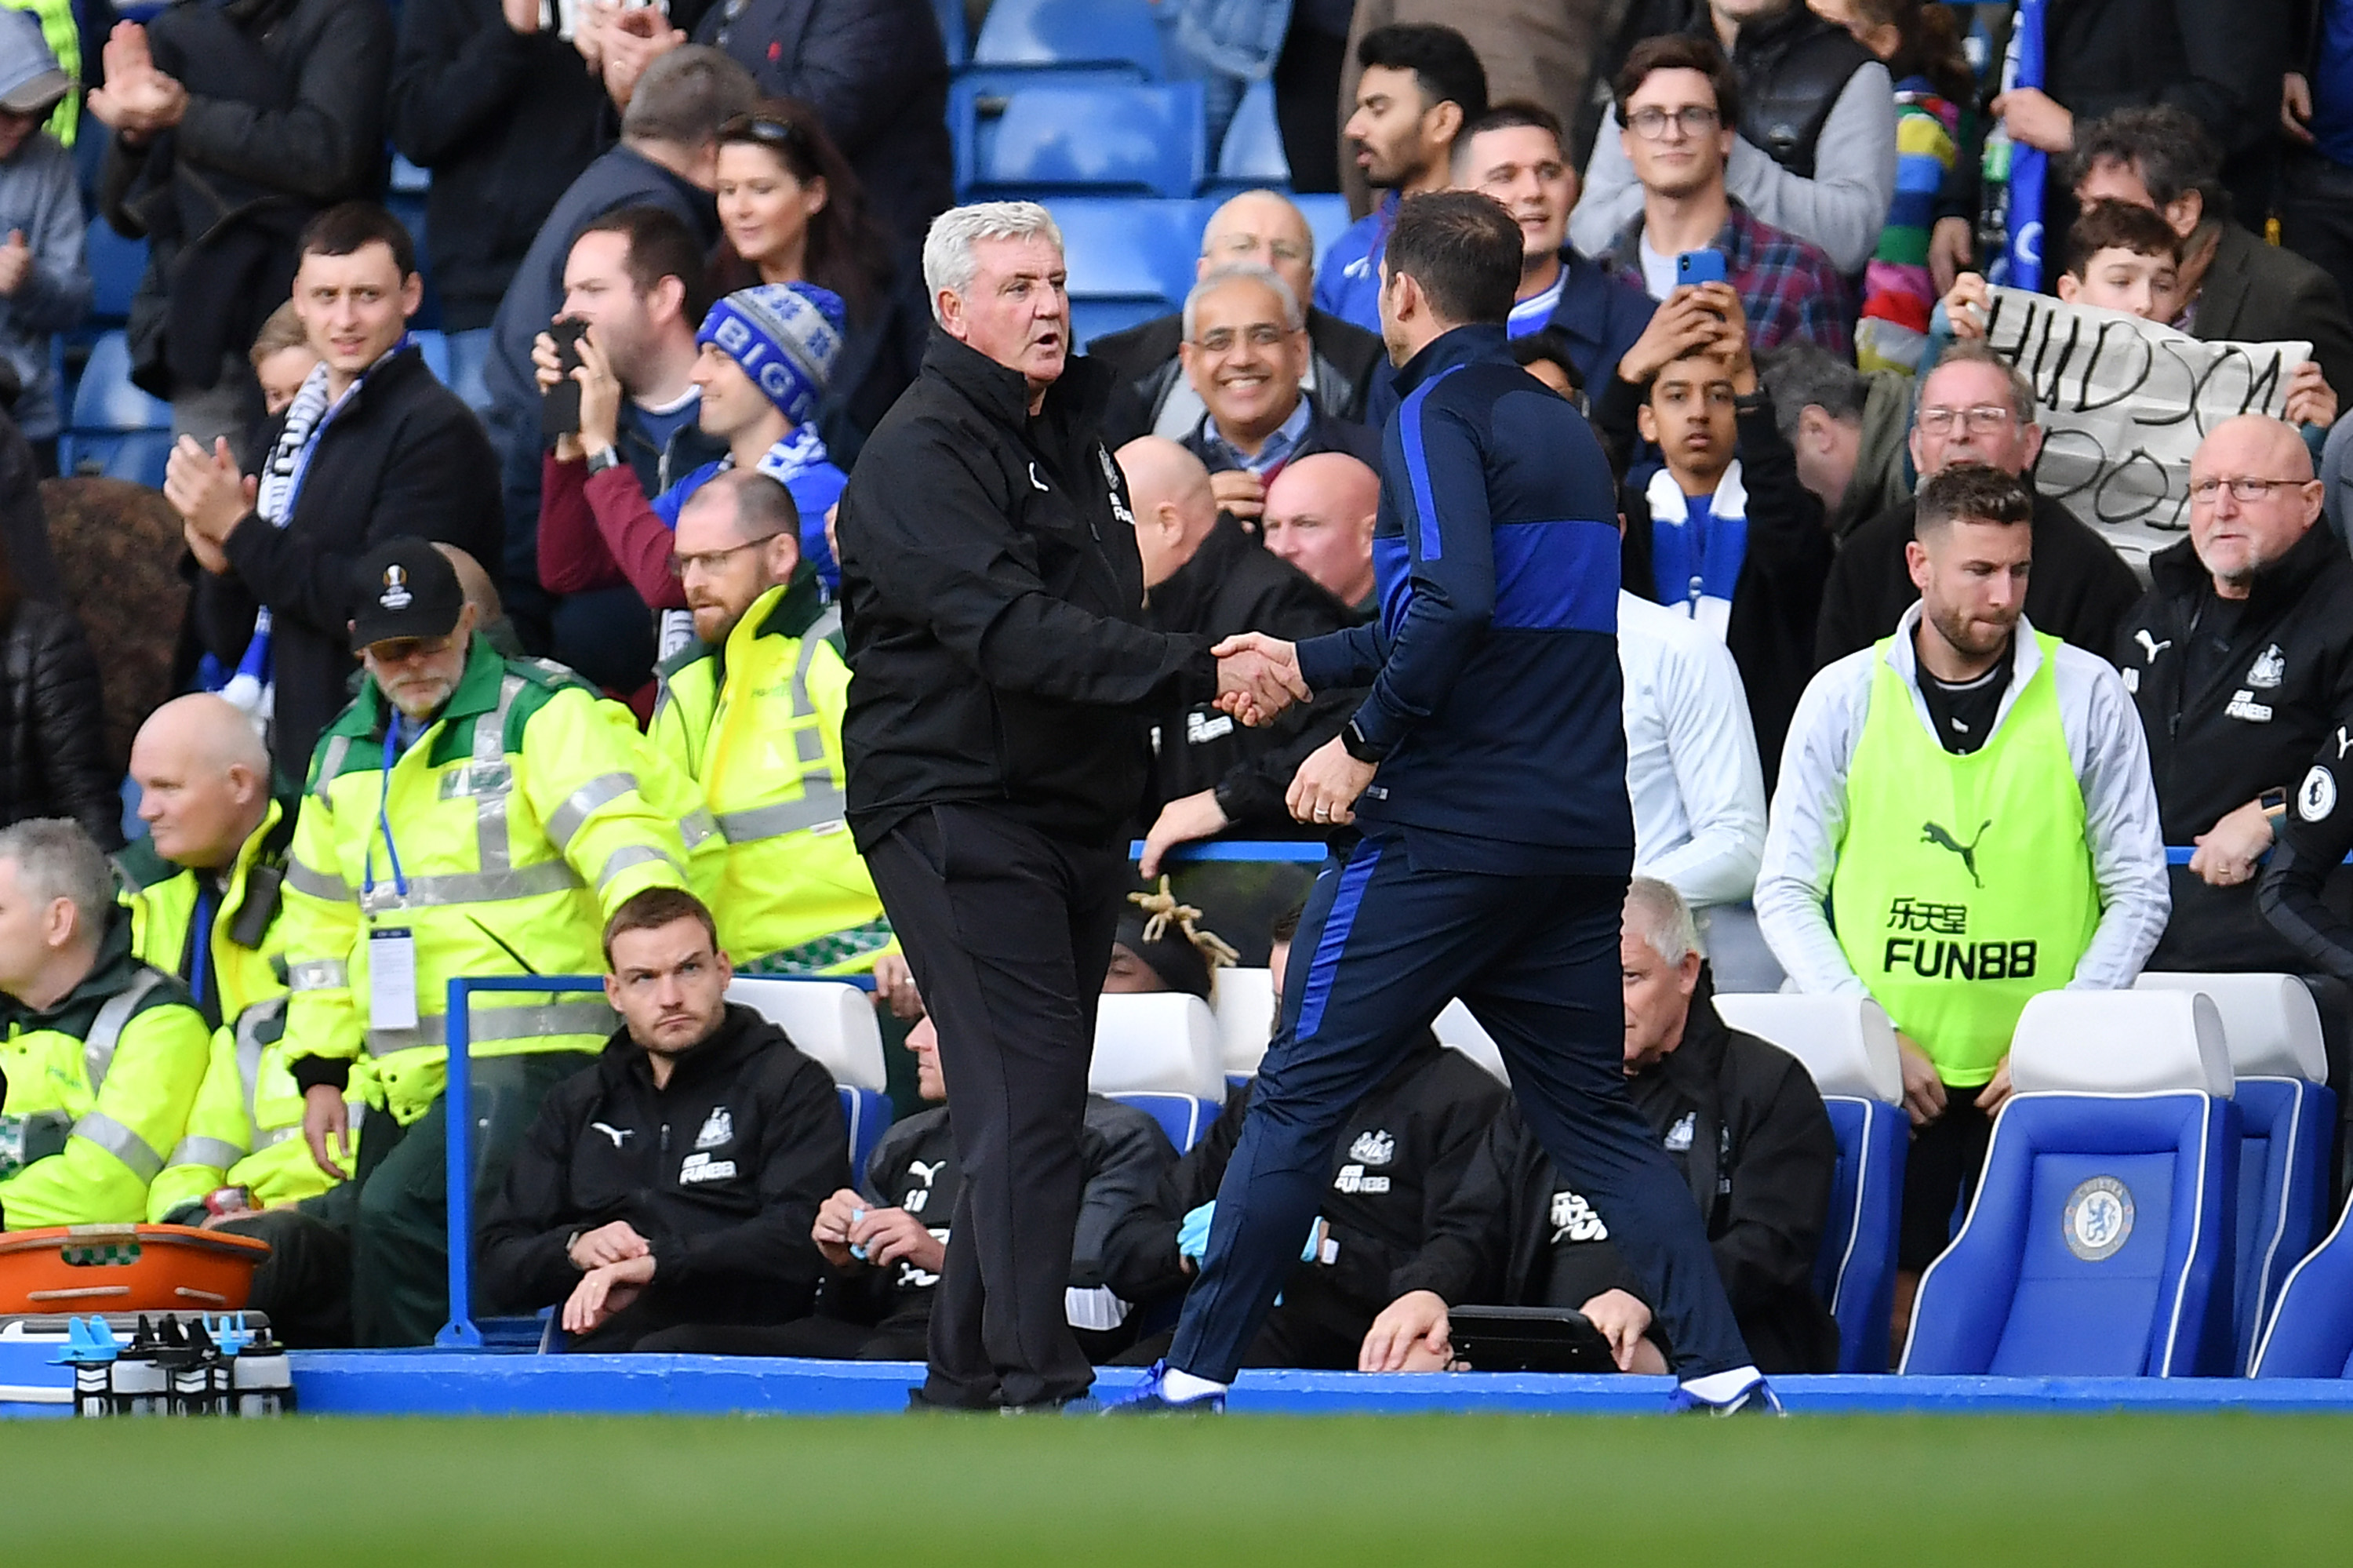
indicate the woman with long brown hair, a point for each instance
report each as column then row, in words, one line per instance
column 792, row 212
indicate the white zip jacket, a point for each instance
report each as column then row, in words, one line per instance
column 1809, row 815
column 1692, row 767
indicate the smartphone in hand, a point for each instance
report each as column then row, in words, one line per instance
column 559, row 407
column 1699, row 267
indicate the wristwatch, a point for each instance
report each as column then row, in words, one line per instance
column 1352, row 742
column 602, row 459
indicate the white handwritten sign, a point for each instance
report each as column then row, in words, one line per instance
column 2123, row 403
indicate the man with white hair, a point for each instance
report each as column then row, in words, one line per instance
column 1245, row 351
column 1262, row 228
column 993, row 606
column 103, row 1053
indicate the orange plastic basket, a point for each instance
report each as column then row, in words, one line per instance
column 126, row 1269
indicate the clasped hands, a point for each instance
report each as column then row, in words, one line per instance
column 616, row 1266
column 1257, row 678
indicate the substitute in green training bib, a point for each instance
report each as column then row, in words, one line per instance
column 1964, row 817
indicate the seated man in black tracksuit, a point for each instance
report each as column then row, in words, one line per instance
column 1739, row 1117
column 674, row 1182
column 885, row 1241
column 1204, row 574
column 1399, row 1159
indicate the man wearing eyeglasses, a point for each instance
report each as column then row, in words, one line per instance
column 1975, row 408
column 466, row 815
column 1245, row 351
column 1256, row 227
column 752, row 711
column 1812, row 155
column 2241, row 659
column 1964, row 821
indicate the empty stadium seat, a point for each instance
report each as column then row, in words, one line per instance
column 1129, row 248
column 2100, row 1240
column 468, row 353
column 1244, row 1005
column 834, row 1023
column 1251, row 155
column 1184, row 1118
column 105, row 407
column 1327, row 219
column 1144, row 138
column 2311, row 1330
column 2287, row 1115
column 1454, row 1026
column 115, row 265
column 435, row 347
column 1070, row 32
column 1092, row 319
column 1849, row 1047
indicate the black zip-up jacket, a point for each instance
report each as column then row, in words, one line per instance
column 1744, row 1123
column 993, row 605
column 2278, row 690
column 2079, row 592
column 1399, row 1159
column 2221, row 62
column 53, row 761
column 1778, row 594
column 721, row 1171
column 405, row 457
column 505, row 120
column 1348, row 360
column 1233, row 585
column 1122, row 1152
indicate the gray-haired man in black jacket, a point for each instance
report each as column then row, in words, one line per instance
column 992, row 602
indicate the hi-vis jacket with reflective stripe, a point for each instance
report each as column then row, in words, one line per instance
column 121, row 1055
column 246, row 1129
column 246, row 959
column 525, row 813
column 758, row 723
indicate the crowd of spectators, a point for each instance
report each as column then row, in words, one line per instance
column 554, row 650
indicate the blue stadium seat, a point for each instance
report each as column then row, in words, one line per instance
column 1130, row 260
column 1252, row 154
column 1183, row 1118
column 1327, row 219
column 2101, row 1238
column 2311, row 1332
column 435, row 347
column 1849, row 1047
column 1140, row 138
column 2288, row 1115
column 834, row 1023
column 115, row 265
column 1070, row 32
column 1162, row 1043
column 468, row 351
column 138, row 456
column 1092, row 319
column 408, row 179
column 105, row 407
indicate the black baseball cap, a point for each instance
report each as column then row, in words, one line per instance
column 405, row 587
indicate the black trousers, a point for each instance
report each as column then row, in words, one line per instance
column 2316, row 208
column 1307, row 106
column 1009, row 931
column 1940, row 1174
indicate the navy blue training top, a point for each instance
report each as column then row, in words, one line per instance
column 1494, row 663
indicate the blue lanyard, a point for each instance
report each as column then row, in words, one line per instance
column 200, row 959
column 384, row 817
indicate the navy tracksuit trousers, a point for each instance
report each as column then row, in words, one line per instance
column 1381, row 949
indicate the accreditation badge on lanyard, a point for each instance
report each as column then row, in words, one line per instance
column 391, row 950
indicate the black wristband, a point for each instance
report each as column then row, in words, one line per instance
column 1352, row 742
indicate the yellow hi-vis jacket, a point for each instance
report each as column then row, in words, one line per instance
column 244, row 963
column 245, row 1128
column 122, row 1055
column 756, row 721
column 527, row 811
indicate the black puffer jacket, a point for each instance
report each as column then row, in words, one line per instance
column 52, row 730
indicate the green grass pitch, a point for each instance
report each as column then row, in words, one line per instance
column 2096, row 1491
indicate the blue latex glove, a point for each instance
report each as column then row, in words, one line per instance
column 1193, row 1234
column 858, row 1249
column 1307, row 1253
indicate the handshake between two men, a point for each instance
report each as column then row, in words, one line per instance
column 1257, row 678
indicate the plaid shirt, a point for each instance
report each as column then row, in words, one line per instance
column 1787, row 288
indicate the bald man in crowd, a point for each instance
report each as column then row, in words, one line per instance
column 1204, row 574
column 2241, row 661
column 1319, row 517
column 1262, row 228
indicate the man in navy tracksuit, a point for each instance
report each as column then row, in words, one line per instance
column 1484, row 779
